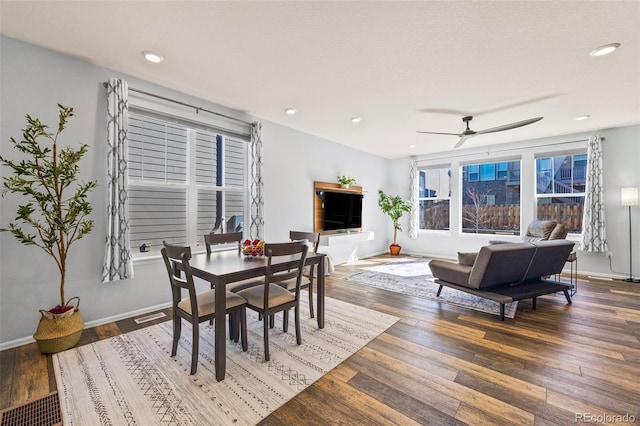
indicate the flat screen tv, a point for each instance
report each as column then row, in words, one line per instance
column 342, row 210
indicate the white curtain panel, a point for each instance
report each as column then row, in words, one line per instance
column 413, row 199
column 256, row 224
column 117, row 254
column 594, row 234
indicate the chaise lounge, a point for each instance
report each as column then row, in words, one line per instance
column 506, row 273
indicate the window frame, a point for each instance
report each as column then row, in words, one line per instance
column 436, row 199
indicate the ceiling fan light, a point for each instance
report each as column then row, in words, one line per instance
column 604, row 50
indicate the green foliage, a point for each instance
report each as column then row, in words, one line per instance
column 394, row 207
column 51, row 217
column 346, row 180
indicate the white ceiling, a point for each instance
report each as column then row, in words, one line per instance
column 401, row 66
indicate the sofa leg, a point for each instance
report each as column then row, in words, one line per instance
column 502, row 312
column 439, row 290
column 533, row 302
column 566, row 294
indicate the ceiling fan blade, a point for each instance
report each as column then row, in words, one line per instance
column 438, row 133
column 462, row 140
column 510, row 126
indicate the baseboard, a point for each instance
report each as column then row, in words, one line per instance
column 26, row 340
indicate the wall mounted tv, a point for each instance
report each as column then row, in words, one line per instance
column 342, row 210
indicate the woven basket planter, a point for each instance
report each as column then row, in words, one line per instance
column 59, row 332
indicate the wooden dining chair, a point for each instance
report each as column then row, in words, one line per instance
column 212, row 239
column 313, row 239
column 270, row 298
column 197, row 307
column 216, row 239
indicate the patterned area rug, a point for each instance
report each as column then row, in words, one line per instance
column 413, row 277
column 131, row 379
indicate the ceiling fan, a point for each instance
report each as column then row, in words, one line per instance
column 467, row 133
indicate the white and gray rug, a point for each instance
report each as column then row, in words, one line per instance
column 413, row 277
column 132, row 380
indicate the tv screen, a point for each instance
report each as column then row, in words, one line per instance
column 342, row 210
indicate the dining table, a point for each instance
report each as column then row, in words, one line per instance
column 224, row 267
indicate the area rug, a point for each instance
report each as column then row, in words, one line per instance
column 132, row 380
column 413, row 277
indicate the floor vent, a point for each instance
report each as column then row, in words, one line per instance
column 44, row 411
column 150, row 317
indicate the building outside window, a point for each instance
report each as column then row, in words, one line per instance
column 491, row 198
column 434, row 198
column 560, row 189
column 184, row 182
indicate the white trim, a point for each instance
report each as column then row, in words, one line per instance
column 26, row 340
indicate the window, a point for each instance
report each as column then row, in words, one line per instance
column 434, row 197
column 560, row 189
column 183, row 182
column 491, row 204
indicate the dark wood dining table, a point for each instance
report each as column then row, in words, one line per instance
column 224, row 267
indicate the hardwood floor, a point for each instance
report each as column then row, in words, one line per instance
column 443, row 364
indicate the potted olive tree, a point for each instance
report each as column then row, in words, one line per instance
column 53, row 215
column 394, row 207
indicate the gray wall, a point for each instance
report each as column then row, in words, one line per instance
column 34, row 81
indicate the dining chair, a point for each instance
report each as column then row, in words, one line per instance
column 216, row 239
column 270, row 298
column 212, row 239
column 197, row 307
column 313, row 240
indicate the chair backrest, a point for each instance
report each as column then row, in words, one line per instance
column 215, row 239
column 501, row 264
column 312, row 237
column 539, row 230
column 172, row 254
column 549, row 258
column 298, row 249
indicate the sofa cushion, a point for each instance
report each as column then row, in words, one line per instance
column 467, row 259
column 559, row 232
column 451, row 272
column 501, row 264
column 539, row 230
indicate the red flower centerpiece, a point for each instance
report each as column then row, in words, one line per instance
column 253, row 248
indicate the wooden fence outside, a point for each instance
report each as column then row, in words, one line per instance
column 504, row 217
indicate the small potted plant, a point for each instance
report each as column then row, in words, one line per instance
column 51, row 216
column 395, row 208
column 346, row 181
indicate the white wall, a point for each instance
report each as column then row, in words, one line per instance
column 34, row 81
column 621, row 158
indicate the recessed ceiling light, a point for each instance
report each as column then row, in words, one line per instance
column 604, row 50
column 356, row 119
column 582, row 117
column 412, row 146
column 290, row 111
column 152, row 57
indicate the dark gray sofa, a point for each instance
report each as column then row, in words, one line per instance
column 508, row 272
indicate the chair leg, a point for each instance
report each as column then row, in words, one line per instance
column 310, row 298
column 177, row 330
column 439, row 290
column 232, row 325
column 195, row 347
column 243, row 328
column 272, row 321
column 237, row 325
column 567, row 296
column 533, row 303
column 297, row 319
column 285, row 321
column 266, row 338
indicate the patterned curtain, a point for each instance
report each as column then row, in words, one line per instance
column 594, row 235
column 256, row 224
column 117, row 255
column 413, row 199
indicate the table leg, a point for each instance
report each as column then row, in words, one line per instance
column 320, row 293
column 220, row 340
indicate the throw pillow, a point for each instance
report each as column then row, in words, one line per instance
column 467, row 259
